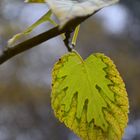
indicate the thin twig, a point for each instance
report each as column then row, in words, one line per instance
column 30, row 43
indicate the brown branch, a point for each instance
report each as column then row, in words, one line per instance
column 30, row 43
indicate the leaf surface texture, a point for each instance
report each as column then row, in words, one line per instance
column 89, row 96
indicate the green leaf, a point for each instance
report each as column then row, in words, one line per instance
column 89, row 96
column 46, row 17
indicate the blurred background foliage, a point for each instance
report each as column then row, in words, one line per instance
column 25, row 80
